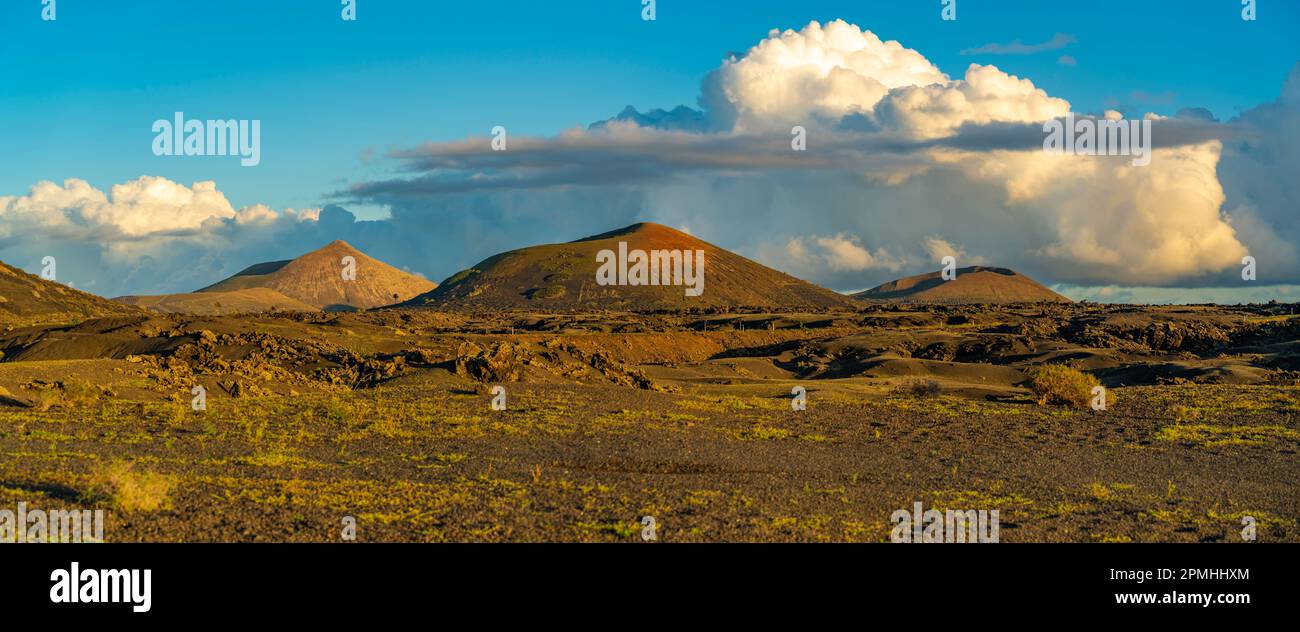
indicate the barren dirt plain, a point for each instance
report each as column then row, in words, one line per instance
column 386, row 416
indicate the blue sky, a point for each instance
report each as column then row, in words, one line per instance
column 88, row 85
column 78, row 95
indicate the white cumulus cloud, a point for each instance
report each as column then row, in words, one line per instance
column 819, row 71
column 145, row 235
column 839, row 252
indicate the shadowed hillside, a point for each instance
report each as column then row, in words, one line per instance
column 26, row 299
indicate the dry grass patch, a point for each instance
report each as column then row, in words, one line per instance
column 1062, row 385
column 131, row 489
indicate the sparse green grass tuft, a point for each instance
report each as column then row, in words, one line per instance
column 764, row 433
column 1183, row 413
column 1205, row 435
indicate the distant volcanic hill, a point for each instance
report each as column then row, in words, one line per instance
column 569, row 277
column 26, row 299
column 251, row 300
column 976, row 284
column 316, row 279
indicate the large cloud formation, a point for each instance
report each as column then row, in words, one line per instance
column 792, row 78
column 898, row 153
column 146, row 235
column 904, row 165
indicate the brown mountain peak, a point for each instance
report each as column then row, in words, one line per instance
column 564, row 276
column 337, row 244
column 316, row 278
column 642, row 230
